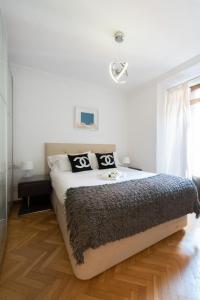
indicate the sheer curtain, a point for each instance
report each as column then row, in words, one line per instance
column 195, row 133
column 173, row 132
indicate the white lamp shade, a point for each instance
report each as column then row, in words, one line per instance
column 126, row 160
column 27, row 165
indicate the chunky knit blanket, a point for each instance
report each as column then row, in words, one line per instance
column 100, row 214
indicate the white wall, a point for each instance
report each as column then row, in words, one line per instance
column 142, row 127
column 44, row 112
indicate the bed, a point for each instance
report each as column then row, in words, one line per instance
column 110, row 254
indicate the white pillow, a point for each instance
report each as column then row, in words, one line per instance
column 94, row 162
column 59, row 162
column 117, row 162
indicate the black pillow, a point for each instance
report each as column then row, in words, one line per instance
column 105, row 160
column 80, row 162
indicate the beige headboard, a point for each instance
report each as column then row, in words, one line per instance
column 60, row 148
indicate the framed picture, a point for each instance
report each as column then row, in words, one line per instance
column 86, row 118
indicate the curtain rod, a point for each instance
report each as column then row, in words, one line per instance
column 194, row 78
column 187, row 81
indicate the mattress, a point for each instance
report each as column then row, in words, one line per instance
column 106, row 256
column 61, row 181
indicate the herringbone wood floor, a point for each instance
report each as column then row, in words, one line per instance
column 36, row 266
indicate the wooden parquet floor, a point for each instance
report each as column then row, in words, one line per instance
column 36, row 266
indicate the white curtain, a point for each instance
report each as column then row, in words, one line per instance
column 195, row 139
column 173, row 132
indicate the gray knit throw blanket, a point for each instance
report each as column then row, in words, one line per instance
column 100, row 214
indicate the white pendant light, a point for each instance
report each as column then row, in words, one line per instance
column 118, row 69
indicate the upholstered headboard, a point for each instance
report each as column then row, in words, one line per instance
column 60, row 148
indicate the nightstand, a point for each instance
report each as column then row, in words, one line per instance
column 134, row 168
column 35, row 192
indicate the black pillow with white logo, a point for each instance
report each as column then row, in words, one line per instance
column 80, row 162
column 105, row 160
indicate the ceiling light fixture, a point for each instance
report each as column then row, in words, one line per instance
column 118, row 70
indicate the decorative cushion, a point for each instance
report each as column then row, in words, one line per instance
column 80, row 162
column 105, row 160
column 94, row 162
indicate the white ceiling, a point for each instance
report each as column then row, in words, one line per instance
column 74, row 37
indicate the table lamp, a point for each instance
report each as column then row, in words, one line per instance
column 27, row 167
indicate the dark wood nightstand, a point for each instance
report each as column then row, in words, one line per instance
column 35, row 192
column 134, row 168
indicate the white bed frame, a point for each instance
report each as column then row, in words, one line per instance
column 104, row 257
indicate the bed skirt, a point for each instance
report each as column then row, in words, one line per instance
column 104, row 257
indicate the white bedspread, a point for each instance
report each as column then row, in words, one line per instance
column 61, row 181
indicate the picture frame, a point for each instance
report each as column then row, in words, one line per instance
column 86, row 118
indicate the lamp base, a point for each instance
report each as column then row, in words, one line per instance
column 28, row 173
